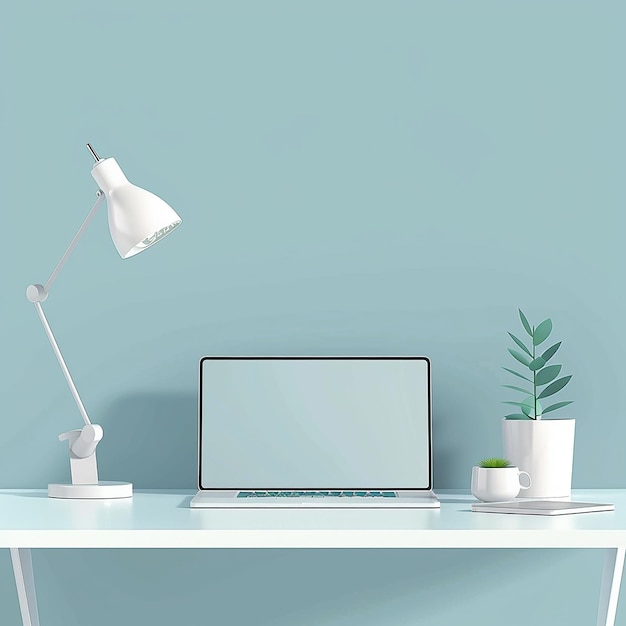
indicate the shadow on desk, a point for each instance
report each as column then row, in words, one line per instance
column 24, row 494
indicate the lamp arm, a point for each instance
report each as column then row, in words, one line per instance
column 77, row 237
column 38, row 293
column 61, row 360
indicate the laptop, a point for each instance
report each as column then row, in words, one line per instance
column 315, row 432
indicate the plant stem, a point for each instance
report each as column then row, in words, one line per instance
column 534, row 378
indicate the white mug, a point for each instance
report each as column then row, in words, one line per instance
column 496, row 484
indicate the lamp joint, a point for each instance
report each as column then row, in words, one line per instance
column 36, row 293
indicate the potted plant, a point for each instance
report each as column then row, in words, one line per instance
column 542, row 447
column 496, row 480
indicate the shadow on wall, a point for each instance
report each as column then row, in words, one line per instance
column 446, row 453
column 151, row 441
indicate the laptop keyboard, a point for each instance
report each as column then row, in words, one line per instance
column 317, row 494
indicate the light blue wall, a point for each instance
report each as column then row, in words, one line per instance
column 354, row 178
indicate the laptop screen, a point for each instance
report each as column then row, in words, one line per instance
column 315, row 423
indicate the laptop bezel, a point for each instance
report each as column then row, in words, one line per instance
column 426, row 360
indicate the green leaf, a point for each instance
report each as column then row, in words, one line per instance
column 517, row 389
column 516, row 374
column 558, row 405
column 537, row 364
column 525, row 323
column 551, row 351
column 517, row 416
column 557, row 385
column 542, row 332
column 511, row 402
column 547, row 374
column 528, row 407
column 521, row 345
column 522, row 358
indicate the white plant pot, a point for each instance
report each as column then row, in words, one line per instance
column 545, row 449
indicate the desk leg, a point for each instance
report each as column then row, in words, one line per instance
column 25, row 582
column 609, row 588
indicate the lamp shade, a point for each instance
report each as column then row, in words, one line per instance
column 137, row 218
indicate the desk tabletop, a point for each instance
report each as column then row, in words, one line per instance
column 163, row 519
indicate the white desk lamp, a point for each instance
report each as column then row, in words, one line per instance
column 137, row 219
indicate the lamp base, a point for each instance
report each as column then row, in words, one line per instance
column 103, row 490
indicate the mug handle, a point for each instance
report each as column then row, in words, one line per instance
column 530, row 482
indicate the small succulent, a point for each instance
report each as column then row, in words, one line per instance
column 494, row 462
column 542, row 374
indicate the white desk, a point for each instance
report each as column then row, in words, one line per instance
column 163, row 519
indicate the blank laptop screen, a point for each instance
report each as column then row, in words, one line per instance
column 314, row 423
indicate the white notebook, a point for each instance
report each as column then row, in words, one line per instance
column 541, row 507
